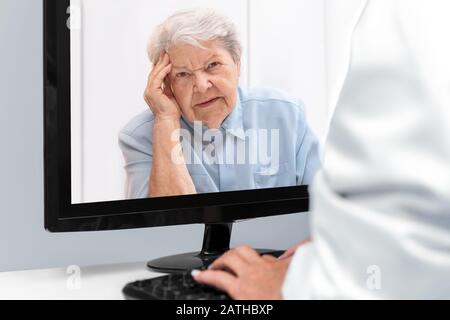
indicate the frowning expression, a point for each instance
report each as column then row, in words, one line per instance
column 204, row 81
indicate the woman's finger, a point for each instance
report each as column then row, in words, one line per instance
column 160, row 65
column 163, row 61
column 155, row 87
column 161, row 76
column 158, row 80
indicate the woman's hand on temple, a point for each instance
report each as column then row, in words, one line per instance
column 158, row 94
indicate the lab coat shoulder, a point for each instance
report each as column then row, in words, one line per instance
column 380, row 218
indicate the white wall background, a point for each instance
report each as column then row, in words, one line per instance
column 284, row 47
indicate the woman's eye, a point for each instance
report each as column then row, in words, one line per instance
column 182, row 74
column 213, row 65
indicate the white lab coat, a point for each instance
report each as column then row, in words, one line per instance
column 381, row 204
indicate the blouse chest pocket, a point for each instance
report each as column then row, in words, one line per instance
column 272, row 176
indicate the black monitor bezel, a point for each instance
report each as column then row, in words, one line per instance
column 63, row 216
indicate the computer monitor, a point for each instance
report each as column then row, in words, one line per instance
column 98, row 163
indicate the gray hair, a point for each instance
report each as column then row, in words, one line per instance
column 192, row 27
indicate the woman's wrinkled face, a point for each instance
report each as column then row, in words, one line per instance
column 204, row 82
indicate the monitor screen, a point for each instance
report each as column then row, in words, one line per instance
column 235, row 131
column 190, row 104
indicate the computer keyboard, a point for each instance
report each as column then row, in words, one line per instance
column 177, row 286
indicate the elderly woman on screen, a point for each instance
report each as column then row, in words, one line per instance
column 203, row 133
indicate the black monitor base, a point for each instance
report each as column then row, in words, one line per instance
column 216, row 241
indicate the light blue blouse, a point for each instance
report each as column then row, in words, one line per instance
column 264, row 143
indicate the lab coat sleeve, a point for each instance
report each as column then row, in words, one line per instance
column 380, row 205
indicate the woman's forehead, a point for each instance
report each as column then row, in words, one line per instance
column 186, row 55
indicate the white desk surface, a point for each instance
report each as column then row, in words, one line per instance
column 95, row 283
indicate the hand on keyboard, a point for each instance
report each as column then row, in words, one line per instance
column 245, row 275
column 182, row 286
column 178, row 286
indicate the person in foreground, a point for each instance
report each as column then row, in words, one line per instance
column 204, row 133
column 381, row 204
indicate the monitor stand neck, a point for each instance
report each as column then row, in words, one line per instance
column 216, row 241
